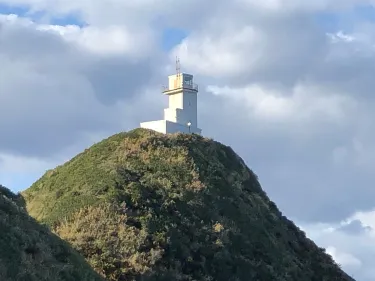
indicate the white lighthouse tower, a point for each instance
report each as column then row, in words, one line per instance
column 181, row 114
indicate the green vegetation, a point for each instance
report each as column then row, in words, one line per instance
column 29, row 251
column 146, row 206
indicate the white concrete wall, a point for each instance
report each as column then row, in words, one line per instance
column 158, row 126
column 176, row 100
column 171, row 82
column 173, row 114
column 187, row 101
column 175, row 128
column 185, row 115
column 167, row 127
column 177, row 81
column 170, row 114
column 190, row 108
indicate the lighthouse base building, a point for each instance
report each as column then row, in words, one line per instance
column 181, row 114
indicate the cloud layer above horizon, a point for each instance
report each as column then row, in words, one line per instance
column 288, row 84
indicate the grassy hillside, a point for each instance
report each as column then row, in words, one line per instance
column 146, row 206
column 29, row 251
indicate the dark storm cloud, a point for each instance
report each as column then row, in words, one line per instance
column 117, row 78
column 354, row 228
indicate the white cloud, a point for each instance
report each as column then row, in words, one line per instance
column 109, row 40
column 344, row 259
column 340, row 36
column 367, row 219
column 304, row 104
column 350, row 242
column 220, row 53
column 58, row 90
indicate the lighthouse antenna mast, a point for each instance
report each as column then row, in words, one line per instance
column 178, row 66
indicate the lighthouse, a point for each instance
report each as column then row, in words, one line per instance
column 182, row 112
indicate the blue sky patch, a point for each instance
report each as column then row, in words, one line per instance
column 345, row 20
column 7, row 9
column 364, row 13
column 18, row 181
column 67, row 20
column 328, row 21
column 172, row 37
column 41, row 16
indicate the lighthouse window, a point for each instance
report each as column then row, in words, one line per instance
column 188, row 81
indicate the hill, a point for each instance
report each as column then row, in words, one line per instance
column 146, row 206
column 29, row 251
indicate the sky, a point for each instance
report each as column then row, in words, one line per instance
column 287, row 83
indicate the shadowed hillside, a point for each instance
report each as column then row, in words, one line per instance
column 29, row 251
column 146, row 206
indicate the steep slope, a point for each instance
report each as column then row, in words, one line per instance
column 29, row 251
column 146, row 206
